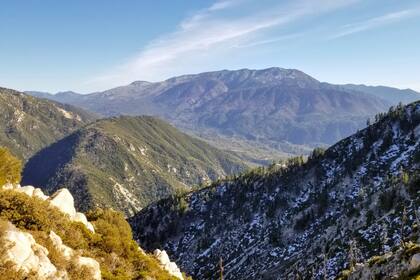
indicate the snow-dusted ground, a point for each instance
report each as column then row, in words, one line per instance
column 252, row 223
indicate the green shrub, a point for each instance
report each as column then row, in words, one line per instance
column 120, row 255
column 317, row 153
column 378, row 260
column 10, row 168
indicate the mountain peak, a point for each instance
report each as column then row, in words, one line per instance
column 140, row 83
column 67, row 93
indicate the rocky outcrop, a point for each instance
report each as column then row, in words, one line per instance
column 22, row 250
column 33, row 250
column 415, row 261
column 166, row 263
column 69, row 254
column 62, row 199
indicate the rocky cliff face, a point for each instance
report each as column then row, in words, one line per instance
column 356, row 200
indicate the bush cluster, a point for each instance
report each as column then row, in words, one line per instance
column 10, row 168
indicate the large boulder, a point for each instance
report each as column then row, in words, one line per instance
column 92, row 265
column 63, row 200
column 415, row 261
column 81, row 218
column 39, row 194
column 166, row 264
column 28, row 190
column 58, row 244
column 26, row 254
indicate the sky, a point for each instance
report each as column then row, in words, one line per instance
column 89, row 46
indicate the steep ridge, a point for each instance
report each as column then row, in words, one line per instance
column 296, row 220
column 126, row 163
column 28, row 124
column 390, row 94
column 284, row 109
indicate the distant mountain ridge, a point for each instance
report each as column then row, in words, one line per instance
column 284, row 109
column 67, row 97
column 126, row 163
column 390, row 94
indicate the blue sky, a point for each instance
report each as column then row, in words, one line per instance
column 94, row 45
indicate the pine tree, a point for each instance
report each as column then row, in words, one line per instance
column 325, row 271
column 352, row 255
column 403, row 222
column 384, row 238
column 221, row 268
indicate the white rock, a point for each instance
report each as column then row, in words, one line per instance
column 415, row 261
column 68, row 253
column 63, row 200
column 92, row 264
column 26, row 254
column 29, row 190
column 90, row 227
column 166, row 263
column 162, row 256
column 64, row 250
column 38, row 193
column 80, row 217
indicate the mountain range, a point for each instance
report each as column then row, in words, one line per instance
column 284, row 111
column 351, row 211
column 352, row 203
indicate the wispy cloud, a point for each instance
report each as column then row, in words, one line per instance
column 376, row 22
column 270, row 41
column 211, row 32
column 221, row 5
